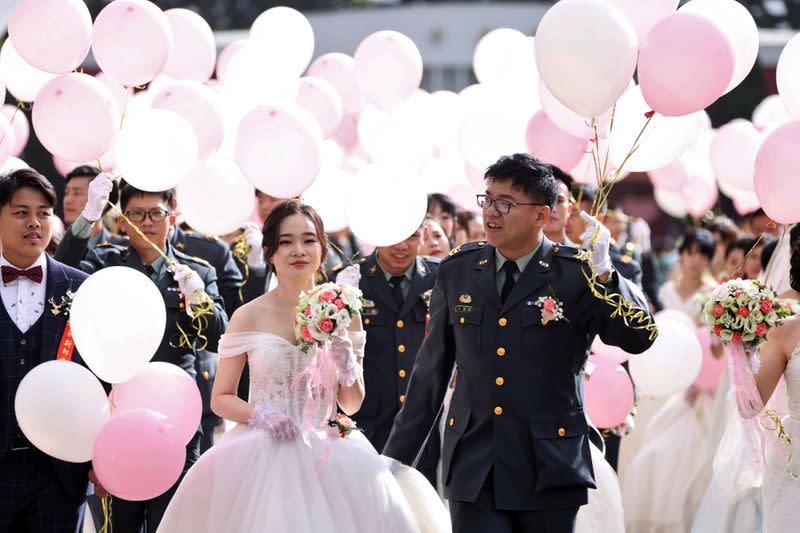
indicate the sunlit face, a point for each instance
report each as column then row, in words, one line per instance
column 25, row 226
column 615, row 223
column 521, row 226
column 445, row 219
column 435, row 243
column 752, row 264
column 475, row 230
column 561, row 210
column 693, row 262
column 734, row 264
column 76, row 193
column 299, row 250
column 155, row 231
column 575, row 225
column 397, row 259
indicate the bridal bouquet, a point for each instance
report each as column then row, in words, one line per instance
column 743, row 312
column 324, row 312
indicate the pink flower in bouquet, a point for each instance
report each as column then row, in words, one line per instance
column 345, row 421
column 549, row 305
column 326, row 325
column 761, row 329
column 308, row 311
column 718, row 330
column 766, row 306
column 339, row 303
column 737, row 338
column 327, row 296
column 744, row 312
column 738, row 293
column 718, row 311
column 306, row 334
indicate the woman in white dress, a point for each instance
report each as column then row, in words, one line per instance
column 282, row 468
column 675, row 444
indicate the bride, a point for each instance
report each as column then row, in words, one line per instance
column 282, row 468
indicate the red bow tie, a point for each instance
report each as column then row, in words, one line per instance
column 10, row 274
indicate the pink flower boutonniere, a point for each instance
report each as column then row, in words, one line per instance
column 552, row 309
column 342, row 424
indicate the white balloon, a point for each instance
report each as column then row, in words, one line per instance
column 738, row 24
column 671, row 364
column 671, row 202
column 155, row 150
column 664, row 140
column 771, row 112
column 199, row 106
column 60, row 407
column 328, row 196
column 787, row 75
column 675, row 316
column 643, row 15
column 22, row 80
column 253, row 79
column 384, row 207
column 12, row 164
column 446, row 113
column 116, row 354
column 214, row 197
column 285, row 35
column 586, row 52
column 505, row 55
column 733, row 156
column 487, row 135
column 568, row 120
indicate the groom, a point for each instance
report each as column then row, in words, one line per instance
column 516, row 455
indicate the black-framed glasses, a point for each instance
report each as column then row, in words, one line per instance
column 157, row 214
column 503, row 206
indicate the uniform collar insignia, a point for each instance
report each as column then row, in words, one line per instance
column 465, row 299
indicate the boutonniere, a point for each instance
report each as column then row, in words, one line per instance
column 342, row 425
column 426, row 297
column 63, row 306
column 552, row 309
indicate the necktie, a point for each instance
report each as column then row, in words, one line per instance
column 397, row 290
column 510, row 268
column 10, row 274
column 150, row 272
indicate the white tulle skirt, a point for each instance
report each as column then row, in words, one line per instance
column 603, row 513
column 316, row 484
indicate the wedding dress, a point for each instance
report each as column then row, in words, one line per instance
column 318, row 482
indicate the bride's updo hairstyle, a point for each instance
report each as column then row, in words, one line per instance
column 272, row 227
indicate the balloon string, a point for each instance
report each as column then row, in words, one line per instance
column 124, row 106
column 772, row 263
column 750, row 251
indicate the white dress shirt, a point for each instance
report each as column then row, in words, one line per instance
column 23, row 298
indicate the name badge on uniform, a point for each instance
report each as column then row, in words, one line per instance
column 369, row 308
column 463, row 309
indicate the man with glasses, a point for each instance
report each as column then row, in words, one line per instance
column 516, row 314
column 148, row 220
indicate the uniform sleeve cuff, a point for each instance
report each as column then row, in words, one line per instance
column 81, row 228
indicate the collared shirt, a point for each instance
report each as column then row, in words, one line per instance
column 156, row 265
column 522, row 262
column 405, row 284
column 23, row 298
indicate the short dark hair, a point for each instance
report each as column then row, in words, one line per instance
column 444, row 202
column 25, row 177
column 744, row 243
column 701, row 239
column 128, row 191
column 563, row 177
column 527, row 174
column 271, row 231
column 88, row 171
column 582, row 192
column 725, row 227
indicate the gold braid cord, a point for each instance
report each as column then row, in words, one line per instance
column 105, row 501
column 783, row 437
column 240, row 251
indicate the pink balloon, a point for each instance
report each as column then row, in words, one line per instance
column 644, row 15
column 612, row 353
column 701, row 196
column 777, row 174
column 319, row 97
column 131, row 41
column 19, row 123
column 746, row 204
column 182, row 406
column 712, row 368
column 609, row 393
column 568, row 120
column 52, row 35
column 685, row 64
column 224, row 58
column 548, row 143
column 138, row 455
column 8, row 141
column 64, row 167
column 347, row 132
column 339, row 70
column 75, row 117
column 198, row 104
column 194, row 50
column 672, row 177
column 388, row 68
column 279, row 149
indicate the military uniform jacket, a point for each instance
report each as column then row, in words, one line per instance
column 109, row 255
column 517, row 409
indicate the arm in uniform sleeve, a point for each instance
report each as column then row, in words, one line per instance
column 75, row 243
column 217, row 323
column 427, row 385
column 229, row 281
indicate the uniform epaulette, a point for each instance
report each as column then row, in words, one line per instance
column 431, row 259
column 467, row 247
column 195, row 259
column 337, row 268
column 107, row 245
column 201, row 236
column 362, row 260
column 568, row 252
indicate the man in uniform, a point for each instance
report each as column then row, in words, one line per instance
column 517, row 315
column 394, row 280
column 180, row 278
column 76, row 192
column 556, row 227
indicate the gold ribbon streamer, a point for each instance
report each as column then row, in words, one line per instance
column 783, row 436
column 240, row 251
column 105, row 501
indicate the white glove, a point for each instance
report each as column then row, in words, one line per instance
column 391, row 464
column 640, row 234
column 190, row 284
column 99, row 190
column 597, row 238
column 624, row 428
column 267, row 417
column 254, row 238
column 347, row 368
column 350, row 275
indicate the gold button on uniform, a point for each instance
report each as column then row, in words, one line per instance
column 499, row 381
column 562, row 432
column 402, row 373
column 402, row 398
column 206, row 375
column 400, row 324
column 502, row 322
column 498, row 411
column 501, row 351
column 462, row 320
column 451, row 421
column 401, row 348
column 366, row 321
